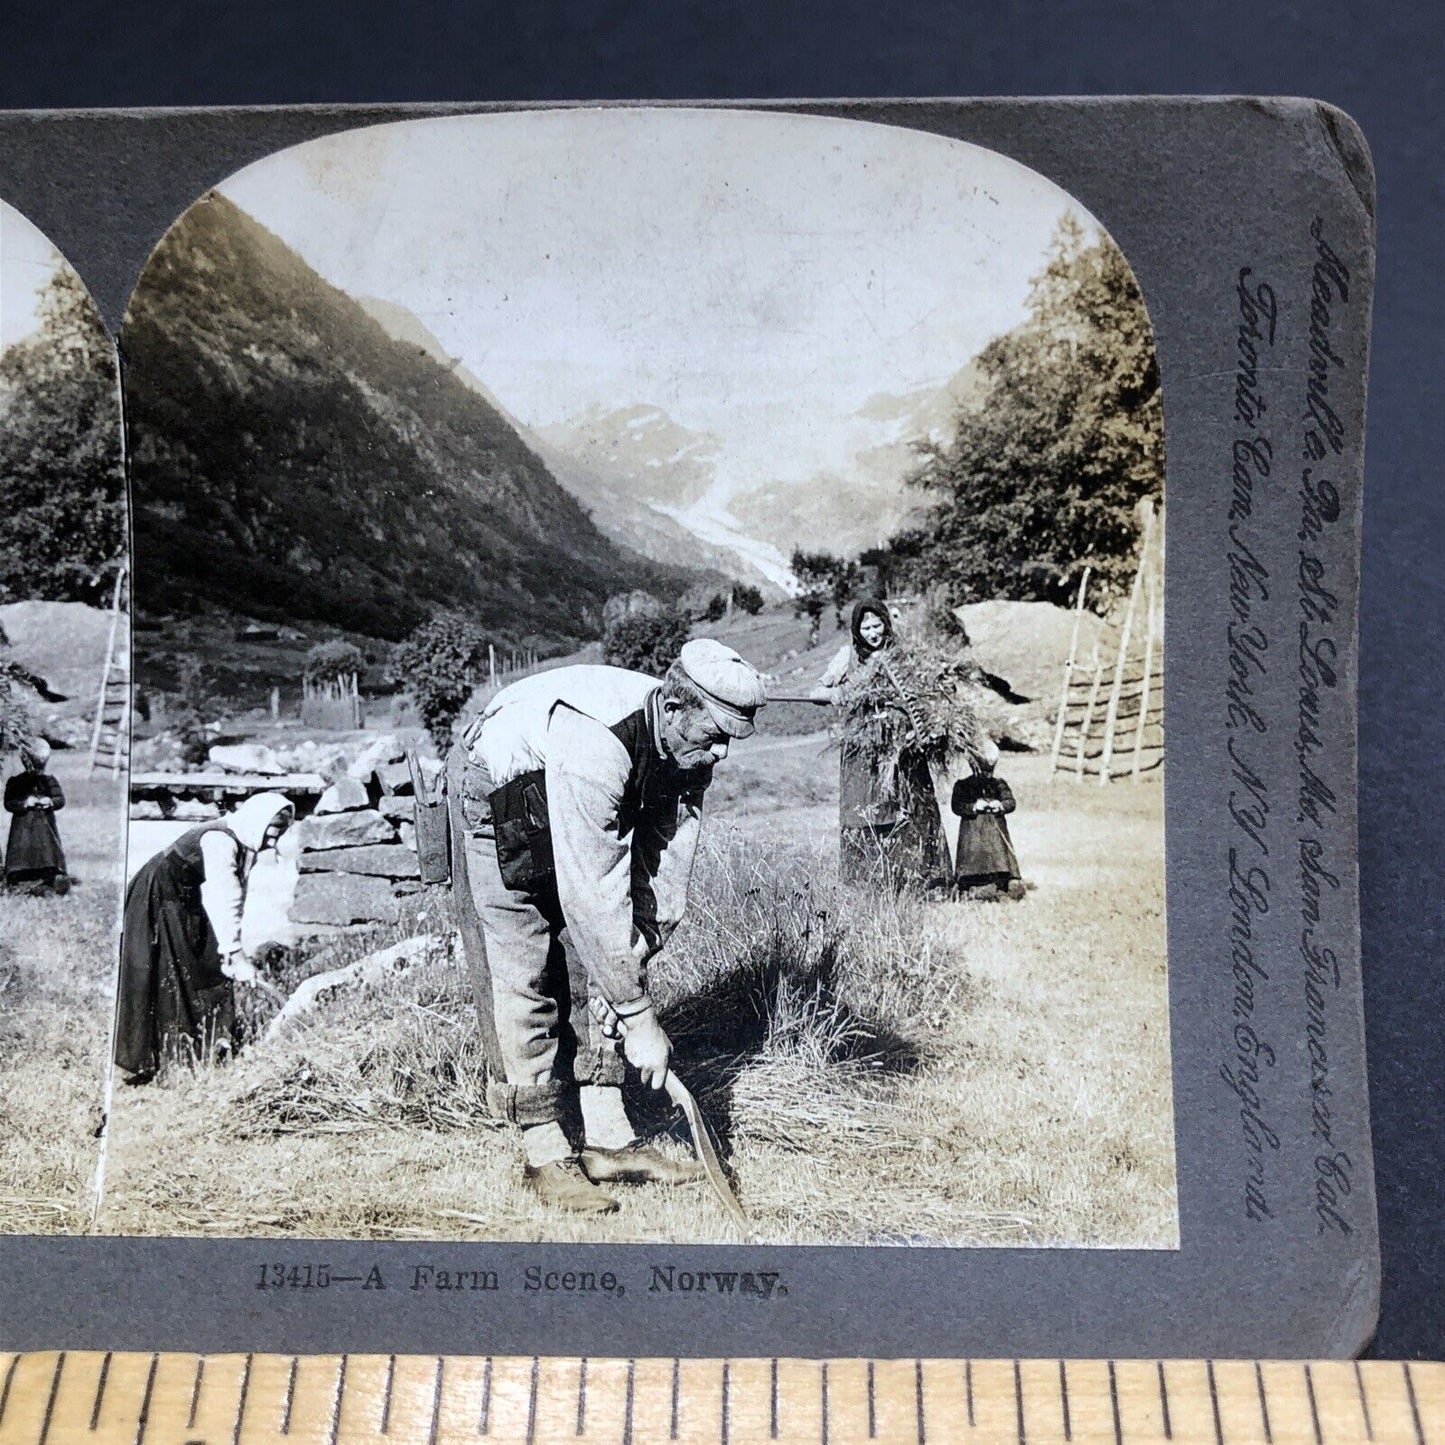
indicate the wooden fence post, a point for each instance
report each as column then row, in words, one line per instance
column 1068, row 676
column 1106, row 761
column 1148, row 663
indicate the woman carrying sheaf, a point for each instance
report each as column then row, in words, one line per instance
column 906, row 715
column 181, row 955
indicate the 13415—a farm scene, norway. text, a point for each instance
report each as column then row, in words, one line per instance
column 648, row 720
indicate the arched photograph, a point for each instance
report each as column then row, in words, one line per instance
column 650, row 710
column 64, row 702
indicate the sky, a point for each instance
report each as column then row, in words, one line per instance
column 27, row 262
column 757, row 276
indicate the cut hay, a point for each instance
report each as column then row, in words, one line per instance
column 911, row 704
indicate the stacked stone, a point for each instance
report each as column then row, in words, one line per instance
column 356, row 854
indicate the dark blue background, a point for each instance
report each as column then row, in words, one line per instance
column 1381, row 62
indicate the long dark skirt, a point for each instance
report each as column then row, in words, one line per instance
column 897, row 843
column 985, row 850
column 35, row 854
column 174, row 1000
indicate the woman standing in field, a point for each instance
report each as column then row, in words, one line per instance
column 181, row 954
column 35, row 861
column 890, row 827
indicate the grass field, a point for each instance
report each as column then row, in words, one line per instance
column 57, row 966
column 910, row 1072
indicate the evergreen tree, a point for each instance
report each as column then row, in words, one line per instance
column 62, row 484
column 1044, row 472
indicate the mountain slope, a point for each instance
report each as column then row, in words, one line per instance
column 612, row 501
column 290, row 459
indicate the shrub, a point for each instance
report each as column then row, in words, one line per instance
column 716, row 609
column 646, row 642
column 330, row 661
column 440, row 663
column 749, row 598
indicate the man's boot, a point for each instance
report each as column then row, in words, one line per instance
column 563, row 1185
column 637, row 1163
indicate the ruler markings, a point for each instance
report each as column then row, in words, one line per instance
column 9, row 1379
column 1263, row 1404
column 241, row 1402
column 386, row 1394
column 823, row 1392
column 145, row 1405
column 141, row 1399
column 1364, row 1403
column 532, row 1400
column 1214, row 1402
column 627, row 1406
column 1414, row 1406
column 1164, row 1402
column 50, row 1403
column 290, row 1395
column 336, row 1396
column 968, row 1387
column 436, row 1402
column 1314, row 1408
column 100, row 1391
column 196, row 1392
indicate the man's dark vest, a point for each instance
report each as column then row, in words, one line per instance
column 655, row 786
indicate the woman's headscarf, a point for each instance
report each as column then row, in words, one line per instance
column 250, row 821
column 35, row 754
column 860, row 611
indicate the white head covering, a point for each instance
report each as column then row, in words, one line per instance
column 36, row 751
column 250, row 821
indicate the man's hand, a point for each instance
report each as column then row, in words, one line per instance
column 238, row 967
column 609, row 1021
column 645, row 1045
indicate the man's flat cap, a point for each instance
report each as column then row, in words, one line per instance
column 730, row 685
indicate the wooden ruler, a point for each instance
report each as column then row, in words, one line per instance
column 178, row 1399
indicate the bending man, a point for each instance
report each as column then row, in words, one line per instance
column 576, row 800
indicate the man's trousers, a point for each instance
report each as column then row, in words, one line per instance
column 531, row 987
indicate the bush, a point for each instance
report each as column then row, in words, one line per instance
column 646, row 642
column 330, row 661
column 749, row 598
column 439, row 664
column 716, row 609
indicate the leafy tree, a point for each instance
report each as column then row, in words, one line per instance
column 646, row 642
column 716, row 609
column 748, row 597
column 1044, row 472
column 813, row 572
column 330, row 661
column 823, row 581
column 62, row 485
column 440, row 663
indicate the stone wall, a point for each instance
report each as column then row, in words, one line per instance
column 356, row 854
